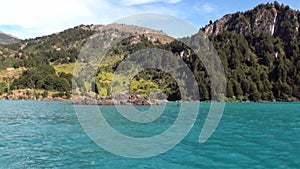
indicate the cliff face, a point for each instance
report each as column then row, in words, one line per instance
column 272, row 18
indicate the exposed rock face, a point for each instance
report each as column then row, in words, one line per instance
column 218, row 26
column 266, row 20
column 271, row 18
column 117, row 99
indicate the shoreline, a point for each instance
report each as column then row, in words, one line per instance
column 115, row 99
column 72, row 99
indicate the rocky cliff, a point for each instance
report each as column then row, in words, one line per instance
column 271, row 18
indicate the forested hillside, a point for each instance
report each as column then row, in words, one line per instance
column 259, row 49
column 260, row 52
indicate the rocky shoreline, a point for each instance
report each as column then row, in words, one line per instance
column 117, row 99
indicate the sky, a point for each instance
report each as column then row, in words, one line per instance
column 33, row 18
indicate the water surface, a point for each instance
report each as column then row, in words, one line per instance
column 35, row 134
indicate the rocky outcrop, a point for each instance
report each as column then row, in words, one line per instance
column 271, row 18
column 266, row 20
column 117, row 99
column 217, row 26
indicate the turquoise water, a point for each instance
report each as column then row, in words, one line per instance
column 250, row 135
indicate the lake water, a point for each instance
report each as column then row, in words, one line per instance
column 36, row 134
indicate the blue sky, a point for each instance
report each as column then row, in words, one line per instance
column 32, row 18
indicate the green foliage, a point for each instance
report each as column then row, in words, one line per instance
column 43, row 77
column 60, row 48
column 258, row 67
column 45, row 94
column 143, row 87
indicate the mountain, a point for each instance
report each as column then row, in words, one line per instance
column 259, row 49
column 64, row 47
column 46, row 63
column 8, row 39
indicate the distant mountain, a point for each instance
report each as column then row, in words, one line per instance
column 8, row 39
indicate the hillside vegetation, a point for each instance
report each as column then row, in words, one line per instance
column 259, row 50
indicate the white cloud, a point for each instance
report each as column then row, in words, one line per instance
column 31, row 13
column 205, row 8
column 139, row 2
column 42, row 17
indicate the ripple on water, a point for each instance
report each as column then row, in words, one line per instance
column 250, row 135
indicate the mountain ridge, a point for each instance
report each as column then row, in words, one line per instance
column 8, row 39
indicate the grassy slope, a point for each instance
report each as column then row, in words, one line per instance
column 10, row 74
